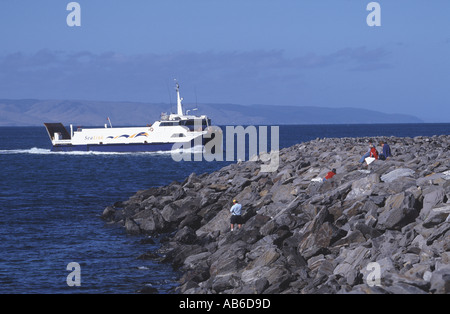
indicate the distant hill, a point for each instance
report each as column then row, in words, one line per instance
column 31, row 112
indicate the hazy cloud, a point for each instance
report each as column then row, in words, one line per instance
column 114, row 76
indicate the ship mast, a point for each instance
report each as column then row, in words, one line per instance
column 179, row 99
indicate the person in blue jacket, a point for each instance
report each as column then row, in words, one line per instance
column 386, row 151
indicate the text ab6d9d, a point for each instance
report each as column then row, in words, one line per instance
column 247, row 303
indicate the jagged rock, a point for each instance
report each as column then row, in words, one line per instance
column 351, row 259
column 177, row 255
column 109, row 213
column 437, row 216
column 282, row 193
column 223, row 262
column 354, row 236
column 398, row 211
column 220, row 223
column 176, row 211
column 268, row 257
column 430, row 200
column 149, row 221
column 396, row 174
column 186, row 235
column 363, row 187
column 433, row 179
column 131, row 226
column 440, row 281
column 438, row 232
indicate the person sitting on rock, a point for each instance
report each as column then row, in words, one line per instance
column 236, row 217
column 367, row 154
column 386, row 151
column 372, row 152
column 329, row 175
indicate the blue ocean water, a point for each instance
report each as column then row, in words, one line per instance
column 50, row 207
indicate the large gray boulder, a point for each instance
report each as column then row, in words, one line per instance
column 396, row 174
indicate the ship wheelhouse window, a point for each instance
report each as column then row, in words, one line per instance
column 191, row 123
column 169, row 123
column 178, row 135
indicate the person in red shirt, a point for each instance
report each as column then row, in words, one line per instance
column 330, row 175
column 374, row 152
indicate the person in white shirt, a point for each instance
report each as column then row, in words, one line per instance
column 236, row 217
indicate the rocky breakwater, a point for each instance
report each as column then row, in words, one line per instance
column 384, row 228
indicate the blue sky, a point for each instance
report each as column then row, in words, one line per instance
column 284, row 52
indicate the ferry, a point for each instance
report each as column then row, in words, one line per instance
column 171, row 131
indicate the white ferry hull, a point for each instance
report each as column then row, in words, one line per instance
column 140, row 139
column 121, row 148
